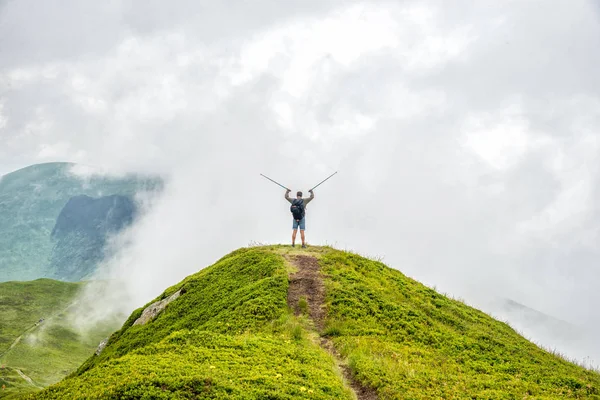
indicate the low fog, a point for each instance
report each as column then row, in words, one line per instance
column 466, row 136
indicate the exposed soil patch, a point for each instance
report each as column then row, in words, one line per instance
column 307, row 283
column 362, row 392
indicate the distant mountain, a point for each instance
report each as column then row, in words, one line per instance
column 54, row 223
column 519, row 312
column 81, row 231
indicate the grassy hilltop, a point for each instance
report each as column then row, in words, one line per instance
column 274, row 322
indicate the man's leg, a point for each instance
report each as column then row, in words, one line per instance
column 294, row 231
column 302, row 228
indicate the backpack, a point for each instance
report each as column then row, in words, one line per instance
column 297, row 209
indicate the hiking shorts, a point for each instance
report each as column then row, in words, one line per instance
column 301, row 224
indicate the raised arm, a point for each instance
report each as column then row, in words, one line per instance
column 308, row 200
column 287, row 195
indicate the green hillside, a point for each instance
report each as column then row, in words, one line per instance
column 38, row 345
column 280, row 323
column 31, row 200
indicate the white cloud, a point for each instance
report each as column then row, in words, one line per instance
column 501, row 139
column 3, row 118
column 466, row 134
column 55, row 151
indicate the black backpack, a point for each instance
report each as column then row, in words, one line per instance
column 297, row 209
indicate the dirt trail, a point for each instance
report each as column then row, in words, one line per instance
column 18, row 340
column 307, row 282
column 14, row 343
column 33, row 327
column 28, row 379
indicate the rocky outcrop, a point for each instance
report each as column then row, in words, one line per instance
column 155, row 308
column 101, row 346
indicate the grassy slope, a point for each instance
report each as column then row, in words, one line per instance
column 230, row 335
column 410, row 342
column 22, row 304
column 49, row 351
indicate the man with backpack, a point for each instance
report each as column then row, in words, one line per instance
column 298, row 209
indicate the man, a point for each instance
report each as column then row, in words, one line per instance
column 301, row 222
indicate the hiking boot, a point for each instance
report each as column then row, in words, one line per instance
column 293, row 245
column 303, row 246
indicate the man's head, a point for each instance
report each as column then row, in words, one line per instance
column 299, row 194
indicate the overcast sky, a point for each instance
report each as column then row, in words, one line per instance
column 466, row 133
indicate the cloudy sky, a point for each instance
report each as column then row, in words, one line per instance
column 466, row 133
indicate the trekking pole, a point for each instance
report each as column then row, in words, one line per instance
column 275, row 182
column 323, row 181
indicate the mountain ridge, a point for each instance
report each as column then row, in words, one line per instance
column 81, row 232
column 31, row 201
column 232, row 332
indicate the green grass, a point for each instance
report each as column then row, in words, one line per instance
column 303, row 305
column 241, row 292
column 15, row 386
column 200, row 364
column 410, row 342
column 230, row 335
column 22, row 304
column 46, row 352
